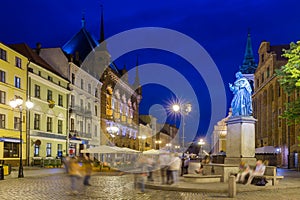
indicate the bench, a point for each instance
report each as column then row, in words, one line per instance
column 271, row 174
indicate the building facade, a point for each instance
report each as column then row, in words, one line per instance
column 269, row 103
column 83, row 101
column 48, row 119
column 13, row 84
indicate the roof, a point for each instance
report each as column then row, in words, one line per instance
column 278, row 50
column 82, row 42
column 26, row 51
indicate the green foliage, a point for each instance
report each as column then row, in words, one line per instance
column 289, row 79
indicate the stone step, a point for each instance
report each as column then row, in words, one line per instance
column 196, row 178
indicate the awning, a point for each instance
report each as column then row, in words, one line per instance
column 15, row 140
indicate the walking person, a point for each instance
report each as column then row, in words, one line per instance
column 88, row 168
column 75, row 175
column 174, row 168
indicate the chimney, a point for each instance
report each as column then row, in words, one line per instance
column 38, row 48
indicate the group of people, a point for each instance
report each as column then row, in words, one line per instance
column 78, row 169
column 245, row 172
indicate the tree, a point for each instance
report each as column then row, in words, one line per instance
column 289, row 79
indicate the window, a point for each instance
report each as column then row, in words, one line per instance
column 2, row 121
column 17, row 123
column 2, row 54
column 40, row 73
column 37, row 121
column 89, row 128
column 262, row 78
column 96, row 110
column 73, row 78
column 11, row 150
column 49, row 124
column 279, row 91
column 96, row 92
column 268, row 72
column 36, row 150
column 72, row 101
column 48, row 150
column 59, row 126
column 81, row 83
column 81, row 126
column 81, row 103
column 2, row 97
column 96, row 129
column 89, row 88
column 89, row 107
column 2, row 76
column 37, row 91
column 50, row 78
column 49, row 95
column 17, row 82
column 59, row 150
column 72, row 125
column 262, row 58
column 18, row 62
column 60, row 100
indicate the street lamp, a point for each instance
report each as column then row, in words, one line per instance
column 184, row 109
column 201, row 143
column 17, row 103
column 157, row 142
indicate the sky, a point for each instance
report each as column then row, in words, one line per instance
column 219, row 27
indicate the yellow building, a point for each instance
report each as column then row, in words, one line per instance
column 48, row 90
column 13, row 84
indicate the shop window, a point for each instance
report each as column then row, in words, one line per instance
column 11, row 150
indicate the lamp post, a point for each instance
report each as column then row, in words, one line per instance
column 184, row 109
column 17, row 103
column 201, row 143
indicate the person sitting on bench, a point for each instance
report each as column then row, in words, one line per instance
column 258, row 171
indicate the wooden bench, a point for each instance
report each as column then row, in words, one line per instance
column 271, row 174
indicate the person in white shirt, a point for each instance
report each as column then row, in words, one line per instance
column 258, row 171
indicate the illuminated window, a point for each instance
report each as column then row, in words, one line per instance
column 17, row 82
column 48, row 149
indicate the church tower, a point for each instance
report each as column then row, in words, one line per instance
column 249, row 65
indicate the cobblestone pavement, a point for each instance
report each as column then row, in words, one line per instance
column 115, row 187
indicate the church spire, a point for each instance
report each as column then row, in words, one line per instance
column 136, row 83
column 83, row 20
column 101, row 26
column 249, row 66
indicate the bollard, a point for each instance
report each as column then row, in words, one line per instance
column 231, row 186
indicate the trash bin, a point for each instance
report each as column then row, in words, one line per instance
column 1, row 172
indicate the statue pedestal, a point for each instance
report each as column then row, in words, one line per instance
column 240, row 140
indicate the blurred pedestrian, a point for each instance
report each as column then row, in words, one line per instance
column 244, row 170
column 88, row 168
column 174, row 168
column 164, row 160
column 142, row 166
column 75, row 175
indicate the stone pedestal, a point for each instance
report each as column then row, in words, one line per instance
column 240, row 140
